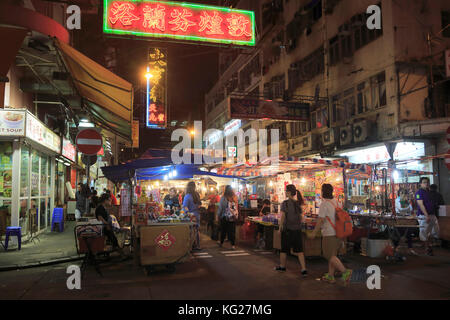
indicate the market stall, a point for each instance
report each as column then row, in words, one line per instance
column 163, row 234
column 308, row 175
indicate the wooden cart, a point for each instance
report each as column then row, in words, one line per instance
column 163, row 244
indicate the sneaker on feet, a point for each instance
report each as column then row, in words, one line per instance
column 279, row 268
column 304, row 273
column 330, row 279
column 430, row 252
column 346, row 276
column 412, row 252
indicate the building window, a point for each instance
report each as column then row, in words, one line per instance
column 313, row 120
column 338, row 112
column 334, row 51
column 346, row 40
column 378, row 84
column 296, row 128
column 349, row 103
column 363, row 97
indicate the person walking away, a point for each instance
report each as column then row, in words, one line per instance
column 214, row 199
column 94, row 199
column 436, row 199
column 403, row 208
column 80, row 197
column 291, row 228
column 259, row 235
column 227, row 215
column 102, row 215
column 191, row 204
column 330, row 243
column 426, row 214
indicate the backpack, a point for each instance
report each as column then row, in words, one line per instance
column 344, row 225
column 229, row 215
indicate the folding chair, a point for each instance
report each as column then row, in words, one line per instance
column 89, row 240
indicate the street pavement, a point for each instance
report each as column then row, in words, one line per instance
column 48, row 247
column 222, row 274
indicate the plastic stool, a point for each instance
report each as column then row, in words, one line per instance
column 58, row 217
column 13, row 231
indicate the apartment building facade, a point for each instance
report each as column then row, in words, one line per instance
column 365, row 87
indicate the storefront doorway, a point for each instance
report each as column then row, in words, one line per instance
column 34, row 189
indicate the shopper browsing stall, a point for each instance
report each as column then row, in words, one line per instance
column 427, row 218
column 330, row 243
column 81, row 197
column 259, row 227
column 102, row 215
column 191, row 204
column 171, row 200
column 228, row 214
column 403, row 207
column 291, row 228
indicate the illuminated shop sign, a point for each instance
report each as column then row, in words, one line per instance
column 179, row 21
column 403, row 151
column 68, row 150
column 232, row 127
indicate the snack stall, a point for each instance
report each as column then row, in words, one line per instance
column 161, row 235
column 308, row 175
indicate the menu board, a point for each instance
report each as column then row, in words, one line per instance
column 12, row 122
column 38, row 132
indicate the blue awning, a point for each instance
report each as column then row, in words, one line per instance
column 183, row 171
column 154, row 165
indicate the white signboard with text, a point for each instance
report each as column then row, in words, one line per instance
column 38, row 132
column 12, row 122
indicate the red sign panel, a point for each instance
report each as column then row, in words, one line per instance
column 447, row 160
column 165, row 240
column 448, row 135
column 179, row 21
column 73, row 178
column 156, row 116
column 68, row 150
column 89, row 142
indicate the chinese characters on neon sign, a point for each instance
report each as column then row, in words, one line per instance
column 180, row 21
column 156, row 89
column 156, row 116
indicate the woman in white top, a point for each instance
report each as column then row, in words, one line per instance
column 330, row 243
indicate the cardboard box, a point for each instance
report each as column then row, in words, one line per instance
column 164, row 244
column 311, row 247
column 276, row 239
column 444, row 228
column 444, row 211
column 376, row 247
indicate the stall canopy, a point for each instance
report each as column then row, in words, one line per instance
column 152, row 159
column 286, row 164
column 178, row 172
column 107, row 97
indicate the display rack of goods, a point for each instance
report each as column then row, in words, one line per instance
column 271, row 218
column 140, row 214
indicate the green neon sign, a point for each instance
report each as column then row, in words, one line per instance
column 179, row 21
